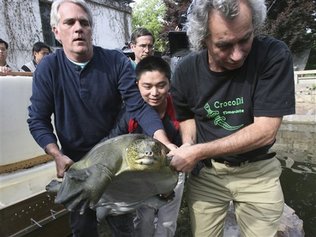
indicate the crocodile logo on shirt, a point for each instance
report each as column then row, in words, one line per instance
column 221, row 120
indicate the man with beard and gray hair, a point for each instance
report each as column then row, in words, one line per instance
column 230, row 95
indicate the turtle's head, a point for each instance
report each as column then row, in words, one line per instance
column 146, row 154
column 53, row 186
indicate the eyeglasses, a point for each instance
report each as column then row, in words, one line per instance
column 3, row 49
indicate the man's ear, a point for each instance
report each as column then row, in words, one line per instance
column 132, row 46
column 54, row 29
column 56, row 33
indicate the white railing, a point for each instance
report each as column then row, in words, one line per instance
column 305, row 76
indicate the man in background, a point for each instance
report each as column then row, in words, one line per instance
column 5, row 67
column 142, row 44
column 39, row 51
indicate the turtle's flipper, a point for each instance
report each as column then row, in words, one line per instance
column 53, row 186
column 82, row 189
column 102, row 212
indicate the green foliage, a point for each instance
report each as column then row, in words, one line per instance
column 150, row 14
column 175, row 8
column 292, row 21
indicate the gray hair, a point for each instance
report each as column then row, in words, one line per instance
column 198, row 18
column 55, row 17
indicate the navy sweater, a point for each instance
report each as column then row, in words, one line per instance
column 84, row 102
column 127, row 124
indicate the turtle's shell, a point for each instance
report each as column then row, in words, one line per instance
column 118, row 175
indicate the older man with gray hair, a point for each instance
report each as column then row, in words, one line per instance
column 230, row 95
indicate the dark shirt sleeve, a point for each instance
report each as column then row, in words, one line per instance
column 85, row 102
column 179, row 90
column 274, row 93
column 41, row 108
column 121, row 126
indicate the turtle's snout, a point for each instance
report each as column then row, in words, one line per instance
column 147, row 158
column 149, row 153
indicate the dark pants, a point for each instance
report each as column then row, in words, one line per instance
column 86, row 225
column 121, row 225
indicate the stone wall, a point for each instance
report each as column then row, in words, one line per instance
column 297, row 141
column 297, row 135
column 22, row 25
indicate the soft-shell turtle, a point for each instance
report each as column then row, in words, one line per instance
column 117, row 176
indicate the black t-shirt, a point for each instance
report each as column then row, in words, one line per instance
column 224, row 102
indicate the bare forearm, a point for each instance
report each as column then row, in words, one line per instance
column 53, row 150
column 161, row 136
column 188, row 131
column 262, row 132
column 62, row 162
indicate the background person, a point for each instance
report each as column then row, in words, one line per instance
column 39, row 50
column 142, row 44
column 153, row 81
column 230, row 96
column 5, row 67
column 84, row 86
